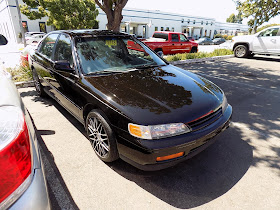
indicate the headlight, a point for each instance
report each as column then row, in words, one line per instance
column 157, row 131
column 224, row 104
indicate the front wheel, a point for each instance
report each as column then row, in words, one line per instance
column 101, row 136
column 241, row 51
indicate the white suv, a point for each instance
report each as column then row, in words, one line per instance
column 266, row 42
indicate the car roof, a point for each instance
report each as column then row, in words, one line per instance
column 167, row 32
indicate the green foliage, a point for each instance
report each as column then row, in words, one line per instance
column 185, row 56
column 259, row 11
column 21, row 73
column 266, row 26
column 218, row 36
column 231, row 18
column 63, row 14
column 230, row 37
column 235, row 18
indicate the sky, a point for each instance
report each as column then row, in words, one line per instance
column 218, row 9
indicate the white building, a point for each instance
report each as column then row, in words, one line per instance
column 140, row 22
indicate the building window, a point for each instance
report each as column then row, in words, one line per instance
column 193, row 21
column 172, row 29
column 167, row 29
column 201, row 22
column 25, row 26
column 161, row 28
column 205, row 33
column 206, row 22
column 156, row 28
column 42, row 26
column 189, row 21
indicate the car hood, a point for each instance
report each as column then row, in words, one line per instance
column 158, row 95
column 244, row 38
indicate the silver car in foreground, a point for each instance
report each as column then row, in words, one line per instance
column 22, row 178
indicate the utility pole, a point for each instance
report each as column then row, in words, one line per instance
column 20, row 24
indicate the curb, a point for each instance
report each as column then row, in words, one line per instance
column 201, row 60
column 24, row 84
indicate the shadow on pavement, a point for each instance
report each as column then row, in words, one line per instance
column 53, row 175
column 198, row 180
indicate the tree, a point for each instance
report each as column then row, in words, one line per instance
column 231, row 18
column 235, row 18
column 63, row 14
column 259, row 11
column 113, row 10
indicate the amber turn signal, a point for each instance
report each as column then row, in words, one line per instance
column 168, row 157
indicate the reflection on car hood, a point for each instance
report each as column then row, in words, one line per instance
column 158, row 95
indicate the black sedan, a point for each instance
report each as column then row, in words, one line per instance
column 204, row 41
column 133, row 104
column 218, row 41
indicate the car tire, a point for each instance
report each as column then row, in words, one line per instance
column 241, row 51
column 193, row 50
column 159, row 52
column 37, row 84
column 101, row 136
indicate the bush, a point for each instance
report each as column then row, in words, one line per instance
column 186, row 56
column 230, row 37
column 20, row 73
column 225, row 36
column 218, row 36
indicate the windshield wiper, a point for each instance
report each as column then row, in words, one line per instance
column 145, row 66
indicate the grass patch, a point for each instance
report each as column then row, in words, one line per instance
column 20, row 73
column 186, row 56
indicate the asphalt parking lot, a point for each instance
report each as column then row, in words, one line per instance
column 240, row 171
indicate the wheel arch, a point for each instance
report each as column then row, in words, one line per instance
column 241, row 43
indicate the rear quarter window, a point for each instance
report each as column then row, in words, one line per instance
column 161, row 36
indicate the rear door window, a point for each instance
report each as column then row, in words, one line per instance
column 63, row 51
column 174, row 37
column 47, row 45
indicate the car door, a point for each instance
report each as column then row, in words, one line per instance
column 43, row 64
column 267, row 41
column 65, row 81
column 175, row 46
column 185, row 44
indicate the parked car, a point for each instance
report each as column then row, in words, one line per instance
column 204, row 41
column 132, row 103
column 34, row 39
column 28, row 34
column 22, row 179
column 265, row 42
column 218, row 41
column 25, row 53
column 190, row 38
column 167, row 42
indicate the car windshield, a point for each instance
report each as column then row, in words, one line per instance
column 114, row 54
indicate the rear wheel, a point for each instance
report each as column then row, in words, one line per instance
column 101, row 136
column 37, row 83
column 241, row 51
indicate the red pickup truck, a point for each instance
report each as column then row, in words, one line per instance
column 171, row 43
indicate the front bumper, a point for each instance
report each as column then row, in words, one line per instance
column 194, row 143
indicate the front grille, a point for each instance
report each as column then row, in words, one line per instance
column 206, row 120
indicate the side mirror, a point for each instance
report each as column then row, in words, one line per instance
column 3, row 40
column 63, row 66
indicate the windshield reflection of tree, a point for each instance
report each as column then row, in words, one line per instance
column 100, row 54
column 146, row 89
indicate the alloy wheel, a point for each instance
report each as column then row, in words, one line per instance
column 240, row 51
column 98, row 137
